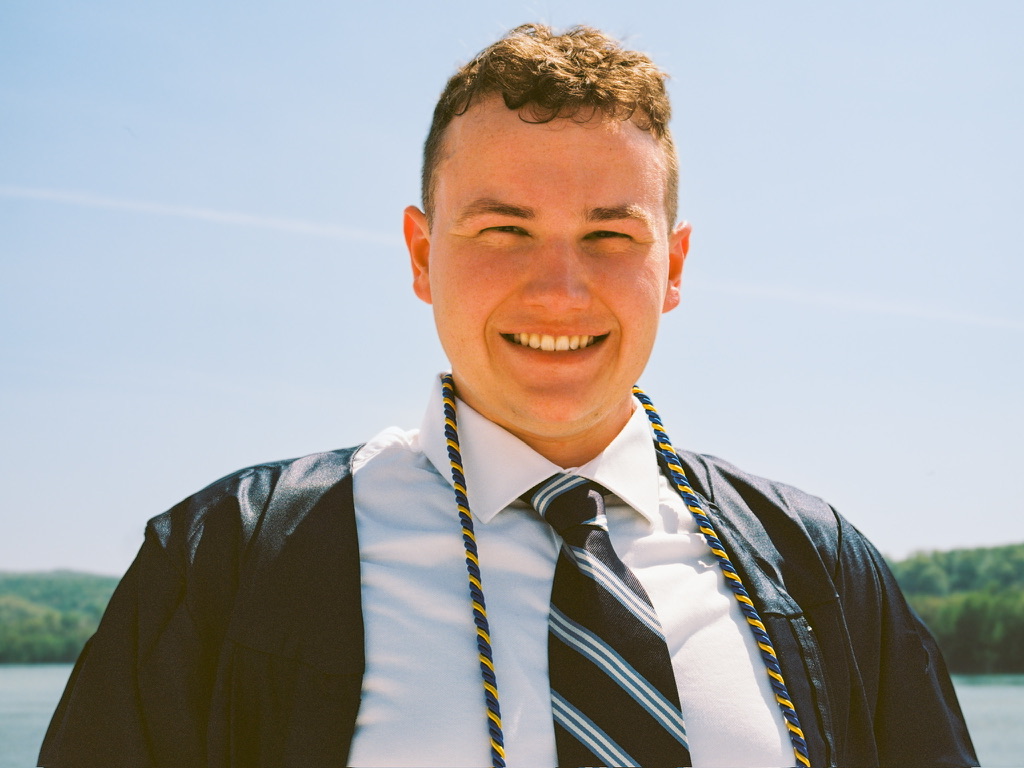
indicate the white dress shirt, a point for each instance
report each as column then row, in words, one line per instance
column 422, row 700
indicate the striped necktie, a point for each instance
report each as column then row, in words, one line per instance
column 613, row 693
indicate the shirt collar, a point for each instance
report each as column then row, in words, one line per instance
column 499, row 467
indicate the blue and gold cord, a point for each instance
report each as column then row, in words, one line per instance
column 476, row 592
column 732, row 578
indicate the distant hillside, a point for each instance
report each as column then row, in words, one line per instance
column 971, row 599
column 973, row 602
column 47, row 617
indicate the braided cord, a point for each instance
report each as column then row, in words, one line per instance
column 476, row 591
column 732, row 578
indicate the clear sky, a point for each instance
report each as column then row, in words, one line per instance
column 202, row 268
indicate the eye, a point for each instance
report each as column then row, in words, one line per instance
column 604, row 234
column 507, row 228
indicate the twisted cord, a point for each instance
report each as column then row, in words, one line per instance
column 732, row 578
column 476, row 592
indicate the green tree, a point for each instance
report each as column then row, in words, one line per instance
column 972, row 600
column 47, row 617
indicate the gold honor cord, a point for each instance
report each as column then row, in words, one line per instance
column 678, row 477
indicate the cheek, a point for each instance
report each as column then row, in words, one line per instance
column 637, row 292
column 462, row 305
column 452, row 292
column 639, row 304
column 474, row 286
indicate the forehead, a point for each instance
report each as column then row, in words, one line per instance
column 491, row 146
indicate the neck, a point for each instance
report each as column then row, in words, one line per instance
column 556, row 426
column 564, row 454
column 569, row 448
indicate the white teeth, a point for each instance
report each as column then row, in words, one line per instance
column 550, row 343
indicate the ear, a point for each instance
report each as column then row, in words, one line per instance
column 417, row 240
column 678, row 247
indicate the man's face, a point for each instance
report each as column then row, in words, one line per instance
column 553, row 236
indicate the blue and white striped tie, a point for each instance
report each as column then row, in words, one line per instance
column 613, row 692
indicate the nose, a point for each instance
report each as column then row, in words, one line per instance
column 558, row 279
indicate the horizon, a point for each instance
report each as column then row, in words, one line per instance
column 904, row 558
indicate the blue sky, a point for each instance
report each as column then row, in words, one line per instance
column 200, row 209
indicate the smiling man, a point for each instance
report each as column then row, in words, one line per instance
column 548, row 274
column 535, row 577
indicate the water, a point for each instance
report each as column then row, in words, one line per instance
column 992, row 704
column 994, row 708
column 28, row 696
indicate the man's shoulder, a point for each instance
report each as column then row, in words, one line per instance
column 755, row 503
column 255, row 501
column 268, row 557
column 721, row 480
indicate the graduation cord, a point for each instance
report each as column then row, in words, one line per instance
column 693, row 504
column 476, row 590
column 732, row 578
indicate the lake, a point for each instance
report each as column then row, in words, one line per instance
column 994, row 708
column 992, row 704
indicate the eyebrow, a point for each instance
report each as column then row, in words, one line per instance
column 618, row 213
column 489, row 205
column 486, row 205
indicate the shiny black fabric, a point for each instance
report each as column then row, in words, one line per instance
column 236, row 637
column 868, row 681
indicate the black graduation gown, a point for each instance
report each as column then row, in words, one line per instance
column 236, row 637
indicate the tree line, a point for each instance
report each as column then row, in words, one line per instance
column 47, row 617
column 971, row 599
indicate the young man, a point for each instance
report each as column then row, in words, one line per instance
column 529, row 578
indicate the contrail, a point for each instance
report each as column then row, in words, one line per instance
column 857, row 304
column 298, row 226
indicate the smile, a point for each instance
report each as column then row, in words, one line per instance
column 548, row 343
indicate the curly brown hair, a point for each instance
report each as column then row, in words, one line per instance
column 571, row 75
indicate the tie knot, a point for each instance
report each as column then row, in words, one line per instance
column 566, row 501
